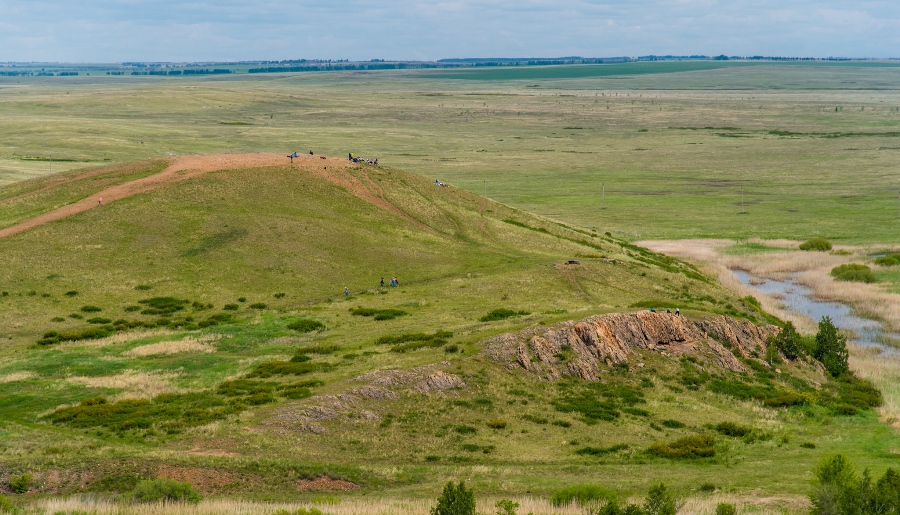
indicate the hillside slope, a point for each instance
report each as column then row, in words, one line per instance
column 199, row 330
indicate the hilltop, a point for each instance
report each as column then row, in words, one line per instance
column 195, row 326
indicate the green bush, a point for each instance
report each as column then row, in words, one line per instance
column 21, row 484
column 687, row 447
column 258, row 305
column 168, row 490
column 817, row 244
column 601, row 451
column 496, row 424
column 413, row 341
column 455, row 500
column 673, row 424
column 732, row 429
column 287, row 368
column 501, row 314
column 582, row 494
column 162, row 305
column 660, row 501
column 888, row 260
column 506, row 507
column 853, row 272
column 90, row 309
column 6, row 505
column 71, row 293
column 808, row 445
column 231, row 307
column 831, row 348
column 306, row 325
column 724, row 508
column 788, row 341
column 378, row 314
column 99, row 320
column 465, row 430
column 786, row 400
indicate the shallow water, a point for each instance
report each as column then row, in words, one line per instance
column 799, row 299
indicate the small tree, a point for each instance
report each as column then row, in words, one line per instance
column 455, row 500
column 831, row 348
column 836, row 487
column 660, row 501
column 788, row 341
column 506, row 507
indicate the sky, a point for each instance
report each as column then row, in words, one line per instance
column 112, row 31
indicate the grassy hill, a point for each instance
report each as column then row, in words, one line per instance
column 200, row 331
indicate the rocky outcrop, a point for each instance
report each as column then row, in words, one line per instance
column 584, row 348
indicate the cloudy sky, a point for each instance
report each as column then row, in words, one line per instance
column 224, row 30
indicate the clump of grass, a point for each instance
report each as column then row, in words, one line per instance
column 378, row 314
column 465, row 430
column 258, row 305
column 853, row 272
column 91, row 333
column 71, row 293
column 20, row 484
column 808, row 445
column 686, row 447
column 303, row 325
column 279, row 295
column 451, row 349
column 321, row 348
column 165, row 490
column 496, row 424
column 562, row 423
column 76, row 316
column 413, row 341
column 598, row 401
column 673, row 424
column 732, row 429
column 502, row 314
column 143, row 287
column 90, row 309
column 287, row 368
column 582, row 494
column 99, row 320
column 816, row 244
column 230, row 307
column 601, row 451
column 162, row 305
column 888, row 260
column 534, row 419
column 58, row 319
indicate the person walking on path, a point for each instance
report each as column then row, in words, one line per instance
column 382, row 282
column 100, row 201
column 346, row 292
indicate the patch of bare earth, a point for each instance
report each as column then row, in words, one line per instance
column 326, row 483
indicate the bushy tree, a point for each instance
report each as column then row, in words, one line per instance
column 660, row 501
column 164, row 489
column 455, row 500
column 831, row 348
column 788, row 342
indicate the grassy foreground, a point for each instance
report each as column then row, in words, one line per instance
column 206, row 287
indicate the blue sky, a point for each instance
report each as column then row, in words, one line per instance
column 224, row 30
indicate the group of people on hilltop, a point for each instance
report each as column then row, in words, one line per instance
column 669, row 311
column 356, row 159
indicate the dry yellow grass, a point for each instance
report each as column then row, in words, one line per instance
column 122, row 337
column 699, row 506
column 16, row 376
column 134, row 384
column 883, row 369
column 190, row 344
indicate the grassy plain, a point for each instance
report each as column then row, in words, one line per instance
column 648, row 152
column 548, row 145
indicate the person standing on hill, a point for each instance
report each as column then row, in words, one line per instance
column 382, row 282
column 100, row 201
column 346, row 292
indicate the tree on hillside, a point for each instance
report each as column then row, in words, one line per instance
column 831, row 348
column 788, row 342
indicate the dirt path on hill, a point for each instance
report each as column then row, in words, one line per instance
column 182, row 168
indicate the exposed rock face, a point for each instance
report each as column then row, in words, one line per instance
column 583, row 348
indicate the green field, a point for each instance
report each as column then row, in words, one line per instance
column 574, row 167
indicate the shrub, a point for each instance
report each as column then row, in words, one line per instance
column 687, row 447
column 808, row 445
column 853, row 272
column 90, row 309
column 816, row 244
column 143, row 287
column 285, row 368
column 258, row 305
column 230, row 307
column 280, row 295
column 162, row 305
column 71, row 293
column 465, row 430
column 413, row 341
column 888, row 260
column 582, row 494
column 451, row 349
column 168, row 490
column 6, row 506
column 20, row 484
column 673, row 424
column 501, row 314
column 732, row 429
column 496, row 424
column 831, row 348
column 601, row 451
column 378, row 314
column 306, row 325
column 99, row 320
column 786, row 400
column 724, row 508
column 506, row 507
column 707, row 488
column 455, row 500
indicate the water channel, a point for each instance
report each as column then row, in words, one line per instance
column 799, row 299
